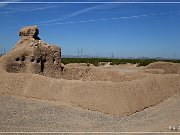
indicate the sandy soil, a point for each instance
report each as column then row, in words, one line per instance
column 34, row 115
column 105, row 99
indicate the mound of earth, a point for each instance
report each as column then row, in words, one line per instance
column 35, row 71
column 165, row 67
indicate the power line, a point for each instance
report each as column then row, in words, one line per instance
column 88, row 2
column 107, row 19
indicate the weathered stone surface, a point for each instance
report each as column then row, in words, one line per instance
column 32, row 55
column 29, row 31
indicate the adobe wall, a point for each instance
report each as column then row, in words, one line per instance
column 32, row 55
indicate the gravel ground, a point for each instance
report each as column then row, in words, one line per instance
column 20, row 114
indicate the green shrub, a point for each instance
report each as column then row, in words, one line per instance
column 97, row 61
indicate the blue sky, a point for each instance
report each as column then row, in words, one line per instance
column 126, row 30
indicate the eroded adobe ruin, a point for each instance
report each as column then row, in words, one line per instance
column 32, row 55
column 104, row 90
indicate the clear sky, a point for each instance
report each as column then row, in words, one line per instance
column 126, row 30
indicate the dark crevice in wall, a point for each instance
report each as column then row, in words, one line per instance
column 42, row 65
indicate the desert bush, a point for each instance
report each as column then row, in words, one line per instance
column 98, row 61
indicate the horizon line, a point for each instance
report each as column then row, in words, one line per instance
column 81, row 2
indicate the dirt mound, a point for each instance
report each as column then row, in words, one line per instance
column 79, row 65
column 97, row 74
column 120, row 98
column 152, row 71
column 167, row 67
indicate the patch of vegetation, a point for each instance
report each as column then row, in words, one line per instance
column 102, row 61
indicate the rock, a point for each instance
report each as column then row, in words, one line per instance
column 32, row 55
column 29, row 31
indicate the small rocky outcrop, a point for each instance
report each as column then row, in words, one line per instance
column 32, row 55
column 30, row 31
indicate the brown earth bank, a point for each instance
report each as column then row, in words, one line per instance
column 122, row 97
column 32, row 75
column 119, row 100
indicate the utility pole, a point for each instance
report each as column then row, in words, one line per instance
column 174, row 55
column 78, row 53
column 81, row 53
column 112, row 55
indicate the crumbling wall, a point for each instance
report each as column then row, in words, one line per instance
column 32, row 55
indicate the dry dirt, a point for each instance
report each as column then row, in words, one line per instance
column 104, row 90
column 38, row 94
column 34, row 115
column 104, row 99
